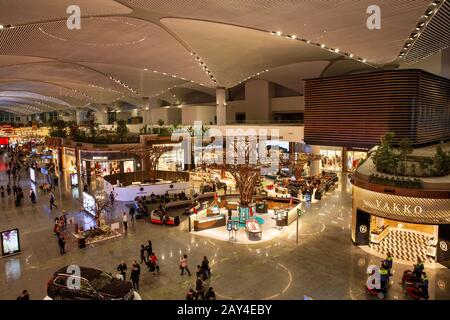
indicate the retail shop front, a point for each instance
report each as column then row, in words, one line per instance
column 341, row 159
column 54, row 145
column 70, row 160
column 101, row 163
column 407, row 226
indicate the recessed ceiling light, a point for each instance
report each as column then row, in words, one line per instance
column 351, row 55
column 308, row 41
column 364, row 60
column 145, row 69
column 278, row 33
column 294, row 36
column 322, row 45
column 1, row 26
column 336, row 50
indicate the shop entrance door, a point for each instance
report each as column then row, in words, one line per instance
column 405, row 241
column 362, row 228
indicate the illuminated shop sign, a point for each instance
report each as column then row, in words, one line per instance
column 400, row 208
column 69, row 152
column 99, row 158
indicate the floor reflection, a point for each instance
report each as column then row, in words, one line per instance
column 12, row 269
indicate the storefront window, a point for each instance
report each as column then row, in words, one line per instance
column 354, row 158
column 331, row 159
column 172, row 160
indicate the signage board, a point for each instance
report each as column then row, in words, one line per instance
column 33, row 175
column 10, row 242
column 89, row 203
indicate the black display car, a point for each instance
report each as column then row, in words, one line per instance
column 88, row 284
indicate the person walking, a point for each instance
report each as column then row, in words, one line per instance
column 52, row 201
column 131, row 213
column 122, row 268
column 205, row 267
column 8, row 189
column 24, row 296
column 62, row 244
column 143, row 259
column 135, row 274
column 190, row 295
column 125, row 221
column 154, row 262
column 111, row 198
column 149, row 249
column 2, row 191
column 184, row 265
column 200, row 273
column 210, row 294
column 199, row 289
column 32, row 196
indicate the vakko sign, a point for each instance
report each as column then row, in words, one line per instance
column 399, row 208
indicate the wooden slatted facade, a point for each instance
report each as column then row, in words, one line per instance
column 356, row 110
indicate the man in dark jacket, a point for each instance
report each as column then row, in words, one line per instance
column 62, row 245
column 122, row 268
column 24, row 296
column 135, row 273
column 143, row 250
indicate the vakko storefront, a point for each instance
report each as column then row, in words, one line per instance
column 406, row 226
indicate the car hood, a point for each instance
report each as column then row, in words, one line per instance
column 116, row 289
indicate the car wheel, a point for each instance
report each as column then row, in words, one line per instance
column 58, row 297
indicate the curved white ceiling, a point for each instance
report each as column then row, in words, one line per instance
column 129, row 49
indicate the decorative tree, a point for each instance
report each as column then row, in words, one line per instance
column 405, row 149
column 102, row 204
column 150, row 156
column 384, row 158
column 243, row 164
column 93, row 128
column 74, row 131
column 121, row 130
column 58, row 129
column 297, row 161
column 441, row 162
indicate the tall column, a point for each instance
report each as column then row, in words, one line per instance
column 146, row 112
column 221, row 111
column 101, row 116
column 344, row 159
column 315, row 164
column 78, row 116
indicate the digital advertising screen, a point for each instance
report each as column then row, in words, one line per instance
column 10, row 242
column 89, row 203
column 32, row 175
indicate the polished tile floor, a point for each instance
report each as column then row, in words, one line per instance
column 325, row 264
